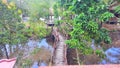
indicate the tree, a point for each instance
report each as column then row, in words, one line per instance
column 35, row 9
column 86, row 23
column 10, row 27
column 113, row 6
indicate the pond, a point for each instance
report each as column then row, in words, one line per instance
column 35, row 53
column 45, row 45
column 39, row 52
column 112, row 56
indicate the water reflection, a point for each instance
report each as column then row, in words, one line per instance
column 93, row 44
column 40, row 44
column 44, row 54
column 44, row 43
column 112, row 56
column 35, row 65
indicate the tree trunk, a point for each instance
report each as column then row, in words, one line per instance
column 1, row 53
column 100, row 26
column 78, row 59
column 10, row 49
column 6, row 51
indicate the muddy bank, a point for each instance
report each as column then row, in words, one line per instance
column 84, row 59
column 71, row 57
column 115, row 37
column 114, row 33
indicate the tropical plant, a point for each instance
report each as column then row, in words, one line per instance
column 86, row 21
column 10, row 26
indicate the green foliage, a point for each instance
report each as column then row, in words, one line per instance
column 111, row 2
column 12, row 31
column 35, row 8
column 55, row 10
column 26, row 63
column 117, row 9
column 80, row 45
column 100, row 53
column 107, row 2
column 103, row 36
column 86, row 22
column 35, row 51
column 106, row 16
column 28, row 32
column 36, row 29
column 38, row 9
column 10, row 26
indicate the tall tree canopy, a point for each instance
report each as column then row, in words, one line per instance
column 10, row 27
column 86, row 17
column 13, row 31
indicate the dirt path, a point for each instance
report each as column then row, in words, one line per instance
column 60, row 52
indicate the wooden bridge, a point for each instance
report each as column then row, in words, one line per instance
column 59, row 56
